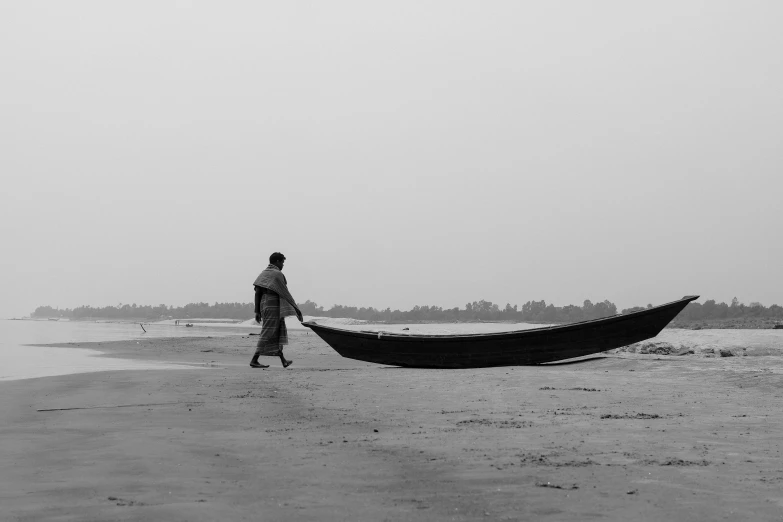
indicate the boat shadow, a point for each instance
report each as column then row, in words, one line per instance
column 554, row 363
column 573, row 361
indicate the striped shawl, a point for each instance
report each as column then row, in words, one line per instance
column 273, row 279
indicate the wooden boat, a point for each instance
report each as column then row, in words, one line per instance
column 524, row 347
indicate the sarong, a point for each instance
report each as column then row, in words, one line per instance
column 274, row 334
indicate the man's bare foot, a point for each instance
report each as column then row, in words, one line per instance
column 258, row 365
column 287, row 363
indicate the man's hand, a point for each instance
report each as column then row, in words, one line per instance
column 258, row 318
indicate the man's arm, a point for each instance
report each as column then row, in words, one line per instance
column 259, row 294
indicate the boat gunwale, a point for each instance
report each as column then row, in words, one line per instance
column 498, row 335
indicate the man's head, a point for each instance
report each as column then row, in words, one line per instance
column 277, row 259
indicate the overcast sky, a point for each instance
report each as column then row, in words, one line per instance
column 398, row 153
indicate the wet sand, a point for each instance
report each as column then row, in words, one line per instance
column 621, row 437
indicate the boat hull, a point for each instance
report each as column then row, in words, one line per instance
column 526, row 347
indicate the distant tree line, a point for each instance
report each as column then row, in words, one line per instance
column 532, row 311
column 134, row 311
column 736, row 310
column 538, row 311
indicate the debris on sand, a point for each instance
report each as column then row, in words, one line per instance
column 676, row 462
column 657, row 348
column 631, row 416
column 549, row 460
column 570, row 389
column 725, row 352
column 556, row 486
column 124, row 502
column 495, row 423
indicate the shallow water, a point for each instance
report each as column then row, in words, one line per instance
column 21, row 361
column 48, row 332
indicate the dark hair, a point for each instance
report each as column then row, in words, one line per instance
column 277, row 256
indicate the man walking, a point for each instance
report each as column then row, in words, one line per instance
column 273, row 304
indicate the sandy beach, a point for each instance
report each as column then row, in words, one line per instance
column 625, row 436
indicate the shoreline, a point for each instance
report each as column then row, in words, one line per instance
column 746, row 323
column 621, row 436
